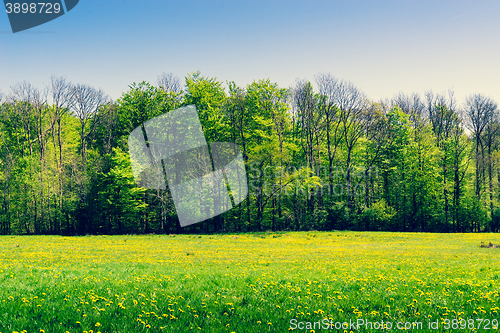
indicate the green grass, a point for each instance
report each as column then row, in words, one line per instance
column 246, row 282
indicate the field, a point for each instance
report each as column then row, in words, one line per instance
column 268, row 282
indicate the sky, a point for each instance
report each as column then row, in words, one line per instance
column 383, row 47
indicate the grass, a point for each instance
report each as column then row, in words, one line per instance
column 247, row 282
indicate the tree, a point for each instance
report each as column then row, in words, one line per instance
column 478, row 113
column 60, row 91
column 141, row 103
column 270, row 113
column 329, row 88
column 209, row 97
column 444, row 119
column 85, row 104
column 490, row 141
column 377, row 137
column 308, row 117
column 33, row 113
column 424, row 166
column 394, row 164
column 169, row 83
column 240, row 118
column 352, row 104
column 120, row 201
column 461, row 161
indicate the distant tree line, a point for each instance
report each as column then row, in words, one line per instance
column 317, row 159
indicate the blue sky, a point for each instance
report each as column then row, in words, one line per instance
column 383, row 47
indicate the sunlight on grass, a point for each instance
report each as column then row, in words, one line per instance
column 243, row 283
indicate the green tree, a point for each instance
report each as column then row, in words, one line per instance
column 120, row 201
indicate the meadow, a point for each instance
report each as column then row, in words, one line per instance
column 259, row 282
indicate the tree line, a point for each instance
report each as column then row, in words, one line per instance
column 317, row 158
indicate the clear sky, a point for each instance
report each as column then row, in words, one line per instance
column 383, row 47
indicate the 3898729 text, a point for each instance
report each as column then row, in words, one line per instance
column 33, row 8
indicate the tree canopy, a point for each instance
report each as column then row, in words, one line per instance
column 320, row 159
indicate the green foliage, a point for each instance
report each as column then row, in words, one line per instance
column 141, row 103
column 314, row 162
column 119, row 197
column 209, row 97
column 495, row 221
column 378, row 217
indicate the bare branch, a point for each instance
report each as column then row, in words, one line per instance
column 479, row 111
column 26, row 92
column 61, row 92
column 85, row 103
column 169, row 82
column 328, row 87
column 86, row 100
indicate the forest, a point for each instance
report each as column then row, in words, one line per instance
column 319, row 156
